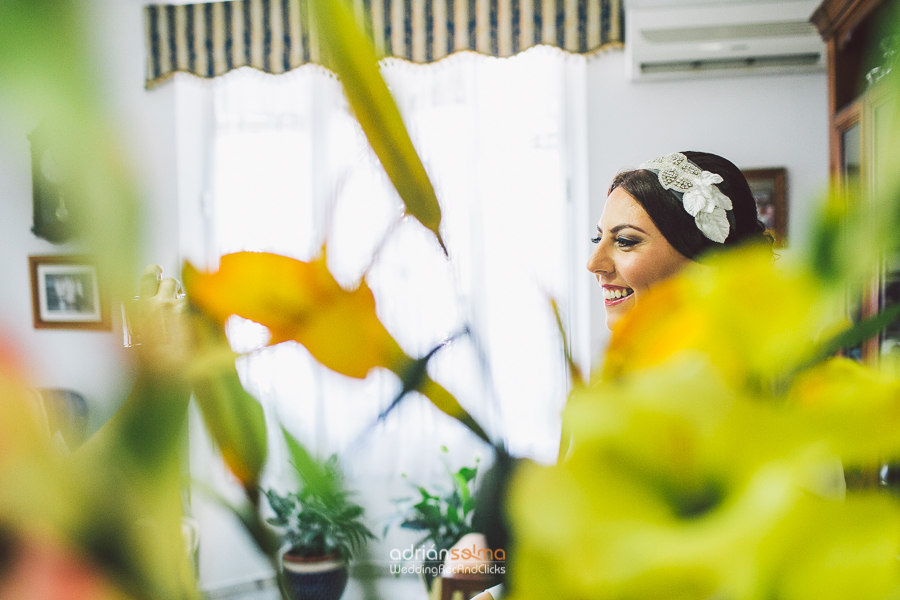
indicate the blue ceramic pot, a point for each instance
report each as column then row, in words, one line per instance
column 314, row 577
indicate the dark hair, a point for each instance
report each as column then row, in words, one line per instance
column 677, row 225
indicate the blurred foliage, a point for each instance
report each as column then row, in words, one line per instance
column 706, row 459
column 109, row 516
column 234, row 419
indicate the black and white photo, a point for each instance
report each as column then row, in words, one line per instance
column 66, row 293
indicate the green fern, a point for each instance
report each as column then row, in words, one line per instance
column 320, row 519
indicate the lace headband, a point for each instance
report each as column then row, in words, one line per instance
column 701, row 198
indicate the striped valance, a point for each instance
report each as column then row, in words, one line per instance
column 209, row 39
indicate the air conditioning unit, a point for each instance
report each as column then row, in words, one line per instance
column 676, row 39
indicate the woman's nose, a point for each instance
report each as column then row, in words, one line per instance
column 600, row 263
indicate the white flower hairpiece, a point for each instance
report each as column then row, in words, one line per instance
column 701, row 198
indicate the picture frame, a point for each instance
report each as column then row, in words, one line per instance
column 67, row 293
column 769, row 188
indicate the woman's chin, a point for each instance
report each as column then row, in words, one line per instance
column 617, row 312
column 611, row 321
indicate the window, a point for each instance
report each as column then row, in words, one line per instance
column 502, row 140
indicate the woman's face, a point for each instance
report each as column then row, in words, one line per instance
column 631, row 255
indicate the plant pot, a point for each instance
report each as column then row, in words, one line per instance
column 314, row 577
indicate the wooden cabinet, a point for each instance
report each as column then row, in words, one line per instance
column 857, row 33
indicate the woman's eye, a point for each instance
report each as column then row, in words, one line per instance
column 624, row 242
column 595, row 240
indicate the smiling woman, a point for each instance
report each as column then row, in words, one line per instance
column 660, row 217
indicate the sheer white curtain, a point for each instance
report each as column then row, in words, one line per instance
column 502, row 140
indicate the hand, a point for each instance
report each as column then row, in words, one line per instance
column 163, row 327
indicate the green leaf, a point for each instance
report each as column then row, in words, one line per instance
column 452, row 515
column 468, row 474
column 445, row 401
column 468, row 506
column 862, row 331
column 352, row 512
column 315, row 478
column 825, row 242
column 847, row 339
column 574, row 372
column 282, row 505
column 430, row 512
column 234, row 418
column 462, row 485
column 351, row 55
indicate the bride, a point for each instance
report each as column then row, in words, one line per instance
column 659, row 218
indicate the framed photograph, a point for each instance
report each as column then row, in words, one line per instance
column 66, row 293
column 769, row 187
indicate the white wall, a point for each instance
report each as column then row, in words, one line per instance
column 80, row 360
column 145, row 120
column 754, row 121
column 89, row 362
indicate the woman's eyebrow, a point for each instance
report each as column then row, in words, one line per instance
column 619, row 228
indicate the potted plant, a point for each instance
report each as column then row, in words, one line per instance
column 322, row 529
column 445, row 515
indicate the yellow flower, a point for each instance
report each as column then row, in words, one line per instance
column 301, row 301
column 753, row 320
column 682, row 486
column 706, row 460
column 856, row 406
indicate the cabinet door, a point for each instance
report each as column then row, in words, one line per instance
column 850, row 180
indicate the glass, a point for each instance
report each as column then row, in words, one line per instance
column 130, row 334
column 851, row 187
